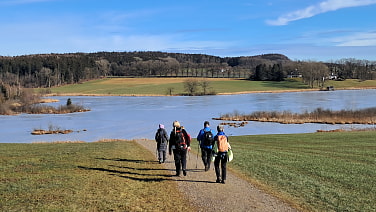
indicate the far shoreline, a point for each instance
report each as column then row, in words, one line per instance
column 218, row 94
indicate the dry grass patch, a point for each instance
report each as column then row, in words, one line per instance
column 103, row 176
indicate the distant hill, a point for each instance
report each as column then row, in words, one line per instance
column 46, row 70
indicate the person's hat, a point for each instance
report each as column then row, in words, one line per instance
column 220, row 128
column 161, row 126
column 176, row 124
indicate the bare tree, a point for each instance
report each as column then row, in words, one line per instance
column 190, row 86
column 314, row 72
column 205, row 85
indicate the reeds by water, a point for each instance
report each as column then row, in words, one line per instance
column 319, row 115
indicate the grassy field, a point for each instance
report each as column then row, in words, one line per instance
column 114, row 176
column 320, row 171
column 161, row 86
column 317, row 172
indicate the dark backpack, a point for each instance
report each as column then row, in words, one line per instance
column 208, row 138
column 179, row 139
column 160, row 136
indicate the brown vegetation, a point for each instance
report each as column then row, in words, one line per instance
column 363, row 116
column 15, row 100
column 43, row 132
column 234, row 124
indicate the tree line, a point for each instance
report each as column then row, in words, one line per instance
column 48, row 70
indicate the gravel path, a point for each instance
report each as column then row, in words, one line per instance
column 200, row 188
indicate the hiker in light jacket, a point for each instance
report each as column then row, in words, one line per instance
column 221, row 147
column 161, row 137
column 206, row 149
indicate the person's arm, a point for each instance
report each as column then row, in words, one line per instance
column 199, row 136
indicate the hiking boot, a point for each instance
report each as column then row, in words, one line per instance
column 184, row 173
column 177, row 174
column 223, row 181
column 218, row 181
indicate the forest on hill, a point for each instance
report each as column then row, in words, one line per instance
column 48, row 70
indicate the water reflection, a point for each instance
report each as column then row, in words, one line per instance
column 138, row 117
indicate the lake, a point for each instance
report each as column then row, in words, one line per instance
column 118, row 117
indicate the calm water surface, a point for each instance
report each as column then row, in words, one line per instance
column 138, row 117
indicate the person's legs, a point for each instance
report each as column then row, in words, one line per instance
column 164, row 156
column 204, row 156
column 184, row 161
column 177, row 162
column 223, row 167
column 217, row 170
column 160, row 156
column 208, row 158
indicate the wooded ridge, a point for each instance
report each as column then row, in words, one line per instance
column 47, row 70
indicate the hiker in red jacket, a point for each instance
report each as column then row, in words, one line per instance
column 180, row 142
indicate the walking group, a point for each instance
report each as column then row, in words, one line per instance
column 214, row 147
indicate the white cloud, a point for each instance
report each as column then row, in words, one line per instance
column 358, row 39
column 323, row 7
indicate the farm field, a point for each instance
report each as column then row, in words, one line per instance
column 161, row 86
column 175, row 86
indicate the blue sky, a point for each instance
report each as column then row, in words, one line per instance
column 320, row 30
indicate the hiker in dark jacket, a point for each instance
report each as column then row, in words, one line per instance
column 179, row 144
column 221, row 147
column 161, row 137
column 206, row 147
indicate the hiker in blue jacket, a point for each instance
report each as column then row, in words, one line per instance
column 206, row 140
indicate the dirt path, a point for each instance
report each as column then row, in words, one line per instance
column 236, row 195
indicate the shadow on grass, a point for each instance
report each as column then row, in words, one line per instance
column 145, row 177
column 128, row 160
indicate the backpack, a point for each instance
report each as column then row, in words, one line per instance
column 160, row 135
column 222, row 143
column 179, row 139
column 208, row 138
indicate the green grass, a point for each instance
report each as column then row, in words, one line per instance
column 319, row 172
column 114, row 176
column 160, row 86
column 351, row 83
column 246, row 85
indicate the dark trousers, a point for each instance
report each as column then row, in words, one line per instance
column 206, row 157
column 180, row 157
column 162, row 155
column 220, row 158
column 161, row 148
